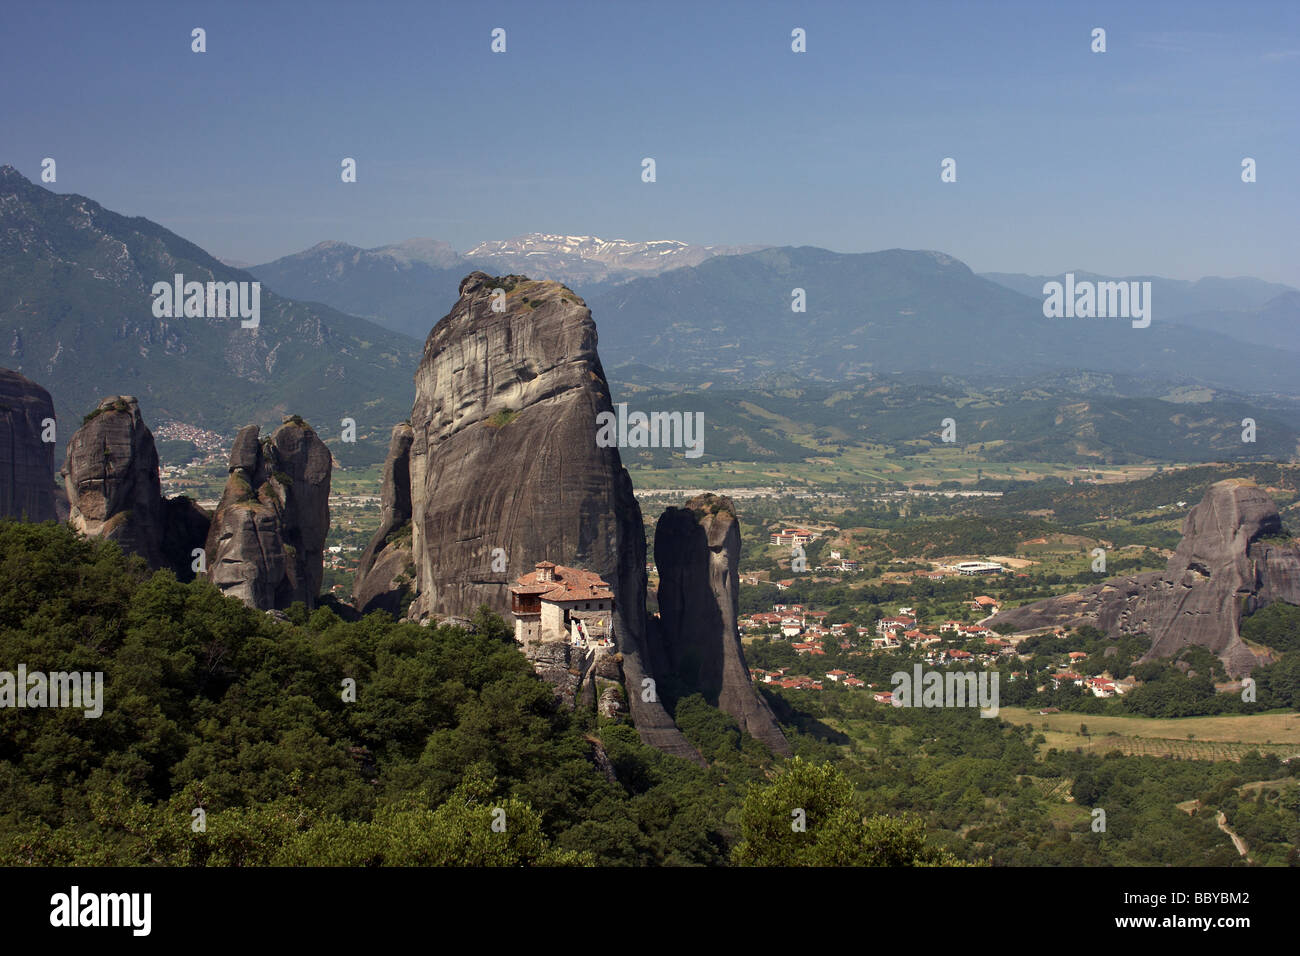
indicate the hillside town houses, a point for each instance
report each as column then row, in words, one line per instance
column 809, row 636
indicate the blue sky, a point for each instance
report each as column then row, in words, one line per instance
column 1123, row 162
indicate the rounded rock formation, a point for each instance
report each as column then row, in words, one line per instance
column 697, row 552
column 111, row 477
column 1231, row 561
column 266, row 545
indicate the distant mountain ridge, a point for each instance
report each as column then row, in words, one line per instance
column 76, row 316
column 731, row 320
column 404, row 285
column 728, row 318
column 592, row 259
column 1252, row 310
column 1178, row 296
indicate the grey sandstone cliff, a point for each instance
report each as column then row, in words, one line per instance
column 185, row 531
column 1231, row 561
column 267, row 540
column 113, row 489
column 697, row 552
column 505, row 470
column 27, row 488
column 385, row 574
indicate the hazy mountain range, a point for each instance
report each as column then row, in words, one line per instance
column 918, row 330
column 1263, row 313
column 396, row 284
column 728, row 318
column 76, row 316
column 585, row 259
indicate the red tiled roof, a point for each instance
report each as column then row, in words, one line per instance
column 533, row 588
column 568, row 584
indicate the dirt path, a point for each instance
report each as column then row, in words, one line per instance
column 1237, row 841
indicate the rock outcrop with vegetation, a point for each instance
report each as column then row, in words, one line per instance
column 505, row 469
column 111, row 478
column 114, row 492
column 1233, row 559
column 267, row 541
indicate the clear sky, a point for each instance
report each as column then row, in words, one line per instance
column 1124, row 162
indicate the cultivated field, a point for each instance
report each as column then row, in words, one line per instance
column 1190, row 738
column 860, row 464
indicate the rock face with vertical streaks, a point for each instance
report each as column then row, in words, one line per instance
column 505, row 470
column 697, row 552
column 27, row 488
column 266, row 545
column 113, row 490
column 111, row 477
column 385, row 575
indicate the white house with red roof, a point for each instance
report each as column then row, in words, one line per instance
column 1066, row 677
column 1101, row 687
column 557, row 603
column 918, row 636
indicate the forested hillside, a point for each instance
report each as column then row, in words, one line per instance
column 212, row 706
